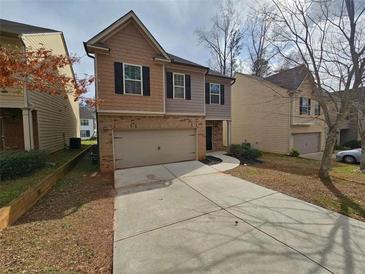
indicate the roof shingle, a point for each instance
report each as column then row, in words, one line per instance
column 289, row 79
column 19, row 28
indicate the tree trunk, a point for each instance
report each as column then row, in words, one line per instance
column 362, row 160
column 324, row 170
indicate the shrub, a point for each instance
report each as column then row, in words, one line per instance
column 20, row 163
column 294, row 153
column 352, row 144
column 245, row 151
column 235, row 149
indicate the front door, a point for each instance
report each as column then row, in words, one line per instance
column 208, row 134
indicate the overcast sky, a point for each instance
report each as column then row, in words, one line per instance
column 171, row 22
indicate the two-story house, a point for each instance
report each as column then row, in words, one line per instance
column 278, row 113
column 30, row 119
column 154, row 107
column 87, row 122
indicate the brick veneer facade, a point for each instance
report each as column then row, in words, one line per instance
column 217, row 140
column 110, row 123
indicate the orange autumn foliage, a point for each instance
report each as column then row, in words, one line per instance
column 40, row 70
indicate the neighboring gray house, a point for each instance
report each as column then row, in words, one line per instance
column 87, row 122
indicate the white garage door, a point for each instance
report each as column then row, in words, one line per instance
column 307, row 142
column 150, row 147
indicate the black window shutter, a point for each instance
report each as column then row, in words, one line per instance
column 207, row 93
column 146, row 81
column 309, row 106
column 169, row 92
column 118, row 77
column 301, row 105
column 222, row 95
column 187, row 87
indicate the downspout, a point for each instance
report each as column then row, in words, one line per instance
column 96, row 107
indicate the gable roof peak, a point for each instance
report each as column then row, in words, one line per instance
column 98, row 38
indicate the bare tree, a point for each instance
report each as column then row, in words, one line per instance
column 325, row 35
column 258, row 44
column 361, row 121
column 224, row 38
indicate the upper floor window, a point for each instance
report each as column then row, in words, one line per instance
column 132, row 79
column 215, row 92
column 84, row 122
column 305, row 106
column 317, row 109
column 179, row 85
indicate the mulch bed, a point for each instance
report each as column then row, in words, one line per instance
column 245, row 161
column 70, row 230
column 211, row 160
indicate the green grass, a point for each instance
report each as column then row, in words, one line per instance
column 88, row 142
column 11, row 189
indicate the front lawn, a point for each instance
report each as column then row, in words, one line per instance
column 298, row 177
column 69, row 231
column 11, row 189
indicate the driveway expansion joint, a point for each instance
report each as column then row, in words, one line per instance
column 253, row 226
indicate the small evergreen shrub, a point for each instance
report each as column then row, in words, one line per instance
column 294, row 153
column 353, row 144
column 245, row 151
column 235, row 149
column 20, row 163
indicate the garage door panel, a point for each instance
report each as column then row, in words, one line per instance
column 307, row 142
column 149, row 147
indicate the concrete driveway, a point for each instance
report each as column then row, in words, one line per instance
column 191, row 218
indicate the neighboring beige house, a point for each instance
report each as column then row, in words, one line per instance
column 349, row 130
column 278, row 113
column 155, row 107
column 30, row 119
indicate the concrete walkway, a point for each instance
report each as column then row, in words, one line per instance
column 191, row 218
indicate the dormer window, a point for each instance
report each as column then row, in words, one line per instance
column 305, row 106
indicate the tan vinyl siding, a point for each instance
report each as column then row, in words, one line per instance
column 129, row 45
column 306, row 123
column 260, row 114
column 215, row 111
column 196, row 104
column 13, row 98
column 58, row 118
column 266, row 116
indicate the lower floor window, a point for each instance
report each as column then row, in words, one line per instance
column 85, row 133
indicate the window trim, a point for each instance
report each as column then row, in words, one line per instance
column 81, row 120
column 124, row 79
column 210, row 94
column 173, row 85
column 308, row 108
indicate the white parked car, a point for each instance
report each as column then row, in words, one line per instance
column 349, row 156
